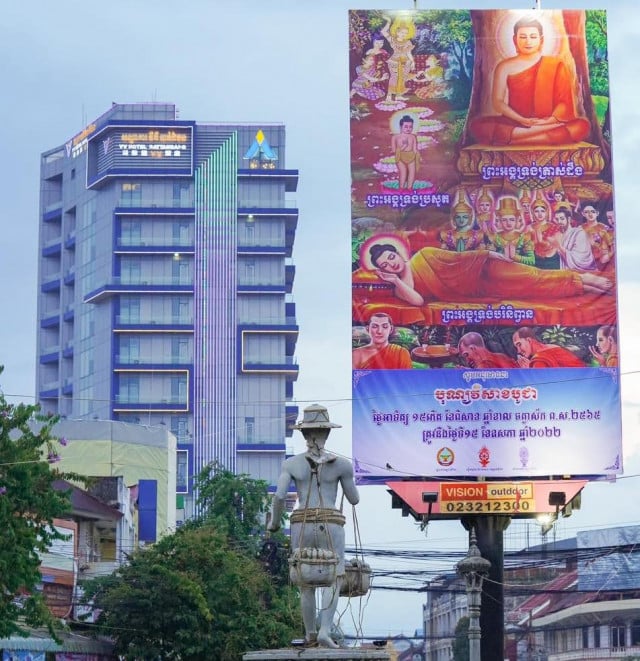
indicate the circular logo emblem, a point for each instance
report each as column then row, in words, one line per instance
column 445, row 456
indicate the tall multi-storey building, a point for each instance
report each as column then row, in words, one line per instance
column 165, row 282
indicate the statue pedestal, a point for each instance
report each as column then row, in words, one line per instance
column 317, row 654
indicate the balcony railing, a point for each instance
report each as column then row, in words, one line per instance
column 163, row 320
column 151, row 280
column 269, row 321
column 258, row 203
column 158, row 359
column 132, row 203
column 632, row 652
column 124, row 398
column 152, row 242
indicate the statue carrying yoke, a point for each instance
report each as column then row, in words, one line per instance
column 317, row 526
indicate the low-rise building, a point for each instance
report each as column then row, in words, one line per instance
column 145, row 458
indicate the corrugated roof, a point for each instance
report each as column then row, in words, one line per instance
column 84, row 502
column 40, row 641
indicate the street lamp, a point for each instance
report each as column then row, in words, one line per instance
column 473, row 568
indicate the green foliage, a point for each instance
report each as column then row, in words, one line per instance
column 557, row 335
column 600, row 104
column 454, row 35
column 460, row 647
column 233, row 504
column 455, row 121
column 405, row 337
column 599, row 79
column 28, row 505
column 357, row 240
column 596, row 34
column 203, row 592
column 192, row 596
column 460, row 94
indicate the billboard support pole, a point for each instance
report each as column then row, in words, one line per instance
column 490, row 539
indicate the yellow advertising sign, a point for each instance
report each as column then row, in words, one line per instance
column 486, row 497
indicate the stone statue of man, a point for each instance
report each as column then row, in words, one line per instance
column 316, row 523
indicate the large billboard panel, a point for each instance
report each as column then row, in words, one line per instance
column 484, row 303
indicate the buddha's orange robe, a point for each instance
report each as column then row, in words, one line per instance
column 543, row 90
column 473, row 275
column 392, row 357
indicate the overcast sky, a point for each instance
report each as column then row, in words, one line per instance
column 269, row 61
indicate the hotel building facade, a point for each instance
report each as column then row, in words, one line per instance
column 165, row 283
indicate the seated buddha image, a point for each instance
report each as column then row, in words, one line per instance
column 532, row 97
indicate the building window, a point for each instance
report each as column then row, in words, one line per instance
column 131, row 234
column 179, row 427
column 180, row 310
column 179, row 350
column 129, row 350
column 73, row 173
column 131, row 272
column 181, row 194
column 180, row 271
column 585, row 637
column 182, row 471
column 180, row 234
column 129, row 392
column 131, row 195
column 618, row 635
column 130, row 310
column 249, row 429
column 596, row 636
column 635, row 633
column 250, row 272
column 179, row 389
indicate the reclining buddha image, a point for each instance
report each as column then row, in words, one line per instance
column 434, row 274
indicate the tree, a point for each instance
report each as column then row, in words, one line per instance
column 201, row 593
column 28, row 505
column 233, row 504
column 460, row 646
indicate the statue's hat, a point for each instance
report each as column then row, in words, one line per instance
column 315, row 416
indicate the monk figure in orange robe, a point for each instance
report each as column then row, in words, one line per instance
column 534, row 353
column 533, row 97
column 379, row 354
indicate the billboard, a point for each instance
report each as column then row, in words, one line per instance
column 484, row 307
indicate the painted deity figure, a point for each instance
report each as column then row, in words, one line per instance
column 462, row 235
column 511, row 241
column 541, row 231
column 599, row 234
column 484, row 212
column 379, row 54
column 401, row 63
column 532, row 96
column 366, row 84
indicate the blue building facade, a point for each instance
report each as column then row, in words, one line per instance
column 165, row 284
